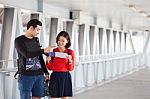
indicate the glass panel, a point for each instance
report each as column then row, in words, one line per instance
column 91, row 37
column 26, row 16
column 1, row 21
column 47, row 22
column 108, row 40
column 138, row 41
column 100, row 31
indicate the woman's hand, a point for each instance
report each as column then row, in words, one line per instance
column 48, row 59
column 46, row 77
column 70, row 59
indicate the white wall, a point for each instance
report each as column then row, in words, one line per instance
column 102, row 22
column 86, row 18
column 26, row 4
column 55, row 11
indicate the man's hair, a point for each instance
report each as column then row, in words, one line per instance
column 33, row 23
column 65, row 35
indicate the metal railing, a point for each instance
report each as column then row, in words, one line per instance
column 7, row 66
column 89, row 70
column 95, row 69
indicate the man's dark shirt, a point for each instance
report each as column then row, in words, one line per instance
column 30, row 59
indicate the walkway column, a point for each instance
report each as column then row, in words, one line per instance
column 6, row 33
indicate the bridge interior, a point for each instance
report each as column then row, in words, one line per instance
column 110, row 39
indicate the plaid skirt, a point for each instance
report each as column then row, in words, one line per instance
column 60, row 85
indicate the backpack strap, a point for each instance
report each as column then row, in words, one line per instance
column 68, row 54
column 17, row 72
column 52, row 58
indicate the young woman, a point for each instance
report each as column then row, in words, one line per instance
column 60, row 85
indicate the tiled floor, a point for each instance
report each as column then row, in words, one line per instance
column 134, row 86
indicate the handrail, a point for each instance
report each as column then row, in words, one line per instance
column 108, row 59
column 7, row 70
column 8, row 60
column 79, row 62
column 105, row 55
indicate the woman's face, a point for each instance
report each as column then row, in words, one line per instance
column 62, row 41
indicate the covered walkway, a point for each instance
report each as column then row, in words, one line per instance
column 132, row 86
column 110, row 38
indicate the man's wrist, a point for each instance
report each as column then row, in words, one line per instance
column 42, row 51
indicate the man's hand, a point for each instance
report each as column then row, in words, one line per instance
column 48, row 49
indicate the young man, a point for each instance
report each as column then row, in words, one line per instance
column 31, row 65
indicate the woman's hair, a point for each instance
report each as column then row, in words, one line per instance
column 65, row 35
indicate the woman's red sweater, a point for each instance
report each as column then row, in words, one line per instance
column 61, row 64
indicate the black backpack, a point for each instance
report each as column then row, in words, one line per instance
column 17, row 72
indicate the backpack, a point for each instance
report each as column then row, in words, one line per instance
column 17, row 72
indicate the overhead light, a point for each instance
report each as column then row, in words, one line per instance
column 1, row 6
column 143, row 13
column 132, row 7
column 25, row 11
column 148, row 16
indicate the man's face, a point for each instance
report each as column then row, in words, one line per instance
column 35, row 31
